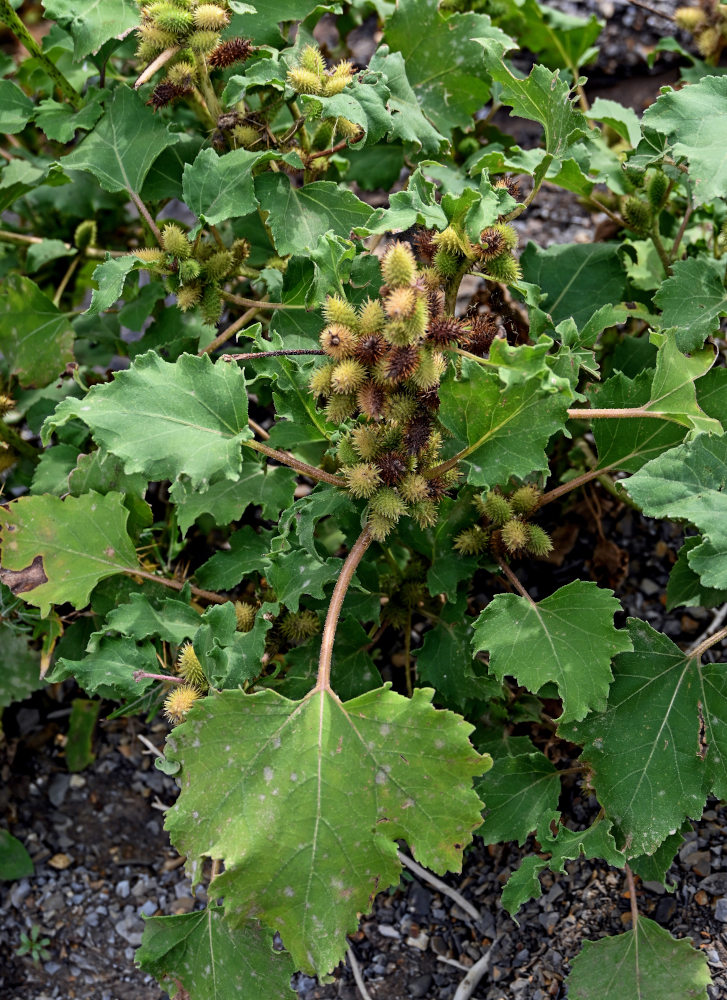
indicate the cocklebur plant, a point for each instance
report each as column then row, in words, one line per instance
column 264, row 435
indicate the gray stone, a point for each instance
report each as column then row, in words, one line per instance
column 419, row 987
column 122, row 889
column 716, row 884
column 19, row 892
column 58, row 789
column 149, row 908
column 720, row 911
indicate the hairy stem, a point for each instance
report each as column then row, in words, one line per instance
column 8, row 15
column 514, row 581
column 142, row 675
column 302, row 467
column 674, row 252
column 208, row 595
column 354, row 557
column 327, row 152
column 267, row 354
column 547, row 160
column 229, row 332
column 20, row 239
column 711, row 640
column 632, row 896
column 660, row 249
column 146, row 216
column 240, row 300
column 156, row 64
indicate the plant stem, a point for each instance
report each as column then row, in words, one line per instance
column 572, row 484
column 141, row 675
column 440, row 886
column 229, row 331
column 450, row 296
column 20, row 239
column 267, row 354
column 514, row 581
column 8, row 15
column 354, row 557
column 357, row 975
column 677, row 242
column 632, row 896
column 712, row 640
column 660, row 249
column 65, row 279
column 547, row 160
column 617, row 414
column 208, row 595
column 156, row 64
column 302, row 467
column 260, row 431
column 11, row 437
column 146, row 215
column 327, row 152
column 651, row 10
column 240, row 300
column 208, row 91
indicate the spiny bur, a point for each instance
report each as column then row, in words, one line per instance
column 538, row 543
column 299, row 626
column 179, row 701
column 244, row 616
column 398, row 266
column 210, row 17
column 336, row 309
column 515, row 535
column 175, row 242
column 472, row 541
column 189, row 667
column 496, row 508
column 362, row 479
column 525, row 500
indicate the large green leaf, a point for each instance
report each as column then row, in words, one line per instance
column 263, row 23
column 217, row 188
column 94, row 22
column 517, row 792
column 408, row 124
column 168, row 420
column 311, row 799
column 689, row 482
column 567, row 638
column 685, row 587
column 645, row 963
column 695, row 121
column 443, row 60
column 245, row 553
column 36, row 338
column 445, row 658
column 365, row 101
column 578, row 279
column 55, row 551
column 111, row 277
column 173, row 621
column 15, row 862
column 298, row 217
column 505, row 430
column 120, row 150
column 693, row 299
column 60, row 122
column 293, row 575
column 563, row 845
column 660, row 746
column 558, row 39
column 541, row 97
column 204, row 956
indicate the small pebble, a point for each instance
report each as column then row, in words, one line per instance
column 720, row 911
column 387, row 931
column 60, row 861
column 422, row 941
column 122, row 889
column 701, row 898
column 419, row 987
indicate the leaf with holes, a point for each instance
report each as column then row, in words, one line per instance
column 357, row 776
column 55, row 551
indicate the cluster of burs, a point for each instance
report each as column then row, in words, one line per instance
column 385, row 361
column 195, row 270
column 707, row 22
column 192, row 30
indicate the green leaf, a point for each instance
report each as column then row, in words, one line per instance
column 16, row 109
column 624, row 121
column 651, row 765
column 578, row 279
column 517, row 792
column 443, row 60
column 168, row 420
column 262, row 23
column 173, row 621
column 567, row 638
column 217, row 188
column 36, row 338
column 231, row 658
column 693, row 299
column 108, row 672
column 357, row 776
column 654, row 867
column 695, row 121
column 60, row 122
column 15, row 861
column 417, row 205
column 120, row 150
column 246, row 554
column 56, row 551
column 364, row 102
column 299, row 216
column 409, row 125
column 20, row 674
column 353, row 672
column 541, row 97
column 685, row 587
column 291, row 576
column 17, row 178
column 566, row 845
column 94, row 22
column 181, row 950
column 505, row 430
column 559, row 40
column 226, row 501
column 111, row 277
column 45, row 252
column 645, row 963
column 689, row 482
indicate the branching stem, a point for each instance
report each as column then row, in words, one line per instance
column 156, row 64
column 20, row 239
column 302, row 467
column 208, row 595
column 711, row 640
column 8, row 15
column 354, row 557
column 266, row 354
column 146, row 215
column 240, row 300
column 142, row 675
column 229, row 332
column 514, row 581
